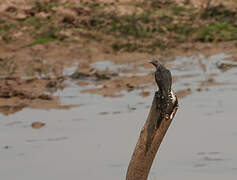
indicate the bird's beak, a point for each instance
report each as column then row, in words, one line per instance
column 153, row 63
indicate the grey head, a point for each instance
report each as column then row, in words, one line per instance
column 156, row 63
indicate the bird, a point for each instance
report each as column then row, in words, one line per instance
column 163, row 79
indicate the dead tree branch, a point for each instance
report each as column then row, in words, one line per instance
column 158, row 121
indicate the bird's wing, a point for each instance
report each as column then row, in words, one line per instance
column 167, row 79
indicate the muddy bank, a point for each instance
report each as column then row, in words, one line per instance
column 16, row 94
column 196, row 74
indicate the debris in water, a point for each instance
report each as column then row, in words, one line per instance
column 145, row 93
column 184, row 93
column 37, row 125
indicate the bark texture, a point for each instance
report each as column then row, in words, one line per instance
column 151, row 136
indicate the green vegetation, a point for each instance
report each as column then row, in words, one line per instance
column 31, row 21
column 154, row 26
column 42, row 41
column 217, row 32
column 47, row 34
column 4, row 32
column 127, row 46
column 4, row 28
column 7, row 66
column 178, row 10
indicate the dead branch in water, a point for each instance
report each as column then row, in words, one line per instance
column 158, row 121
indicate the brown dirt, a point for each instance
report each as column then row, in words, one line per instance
column 183, row 93
column 113, row 87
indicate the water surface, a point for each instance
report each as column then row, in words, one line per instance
column 96, row 140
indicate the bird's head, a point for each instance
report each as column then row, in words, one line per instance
column 156, row 63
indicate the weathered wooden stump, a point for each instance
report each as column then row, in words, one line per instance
column 158, row 121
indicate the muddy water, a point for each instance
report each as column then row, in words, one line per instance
column 96, row 140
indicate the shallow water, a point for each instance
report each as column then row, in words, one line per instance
column 96, row 140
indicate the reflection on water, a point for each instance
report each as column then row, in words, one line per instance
column 95, row 141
